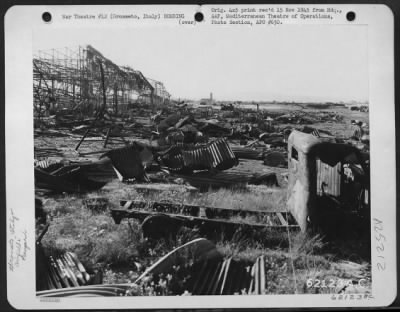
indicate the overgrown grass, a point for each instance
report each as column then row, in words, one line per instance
column 260, row 198
column 123, row 252
column 93, row 236
column 302, row 268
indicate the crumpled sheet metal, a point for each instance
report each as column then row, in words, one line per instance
column 210, row 273
column 129, row 161
column 228, row 277
column 198, row 249
column 247, row 152
column 226, row 179
column 216, row 154
column 65, row 179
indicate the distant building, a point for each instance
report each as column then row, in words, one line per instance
column 209, row 101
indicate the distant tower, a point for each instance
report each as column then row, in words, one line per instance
column 211, row 98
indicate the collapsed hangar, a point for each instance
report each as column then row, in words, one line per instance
column 81, row 78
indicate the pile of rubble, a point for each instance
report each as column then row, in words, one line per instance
column 178, row 147
column 301, row 117
column 195, row 268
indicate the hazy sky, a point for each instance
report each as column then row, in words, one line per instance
column 293, row 63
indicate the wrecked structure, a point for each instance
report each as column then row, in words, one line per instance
column 165, row 219
column 81, row 79
column 156, row 145
column 208, row 273
column 214, row 155
column 328, row 182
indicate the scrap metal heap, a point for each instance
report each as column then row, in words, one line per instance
column 195, row 268
column 194, row 148
column 162, row 219
column 57, row 269
column 204, row 271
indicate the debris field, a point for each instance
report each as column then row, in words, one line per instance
column 113, row 145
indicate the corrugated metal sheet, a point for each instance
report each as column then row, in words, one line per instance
column 216, row 154
column 207, row 277
column 210, row 276
column 228, row 277
column 60, row 271
column 328, row 178
column 47, row 164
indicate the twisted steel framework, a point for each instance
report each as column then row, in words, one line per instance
column 71, row 78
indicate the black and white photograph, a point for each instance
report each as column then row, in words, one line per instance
column 206, row 158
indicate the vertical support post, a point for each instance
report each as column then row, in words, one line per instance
column 116, row 99
column 152, row 100
column 103, row 88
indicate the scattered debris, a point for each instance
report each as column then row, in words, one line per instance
column 203, row 267
column 163, row 187
column 214, row 155
column 61, row 271
column 129, row 162
column 227, row 179
column 210, row 273
column 248, row 152
column 228, row 277
column 65, row 179
column 302, row 117
column 198, row 249
column 180, row 146
column 161, row 219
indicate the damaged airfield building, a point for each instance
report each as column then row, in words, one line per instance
column 82, row 79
